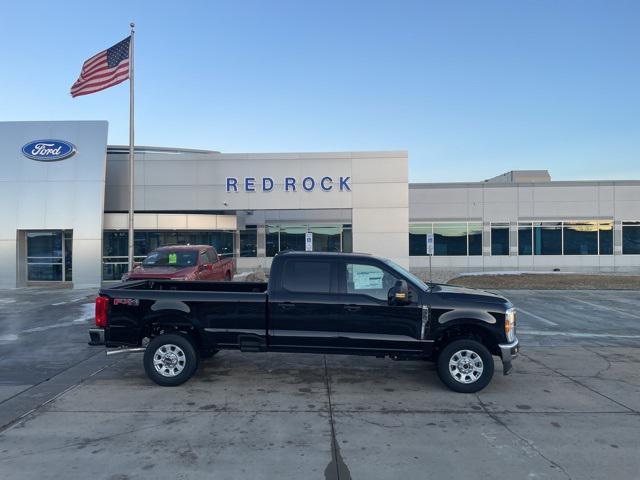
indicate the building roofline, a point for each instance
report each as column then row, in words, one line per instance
column 346, row 154
column 144, row 148
column 553, row 183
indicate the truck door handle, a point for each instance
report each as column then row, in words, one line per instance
column 352, row 308
column 286, row 305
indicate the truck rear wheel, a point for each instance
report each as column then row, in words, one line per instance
column 170, row 360
column 465, row 366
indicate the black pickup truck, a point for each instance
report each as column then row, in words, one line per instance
column 331, row 303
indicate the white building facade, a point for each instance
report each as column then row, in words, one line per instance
column 65, row 219
column 582, row 226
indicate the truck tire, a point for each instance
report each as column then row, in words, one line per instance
column 170, row 359
column 465, row 366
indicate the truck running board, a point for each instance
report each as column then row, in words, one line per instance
column 251, row 343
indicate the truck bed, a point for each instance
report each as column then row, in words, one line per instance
column 195, row 286
column 220, row 310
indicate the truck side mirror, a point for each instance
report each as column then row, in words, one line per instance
column 399, row 293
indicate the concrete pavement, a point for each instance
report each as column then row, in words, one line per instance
column 571, row 409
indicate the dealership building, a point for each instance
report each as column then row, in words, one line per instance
column 65, row 194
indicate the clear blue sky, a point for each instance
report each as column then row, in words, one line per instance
column 469, row 88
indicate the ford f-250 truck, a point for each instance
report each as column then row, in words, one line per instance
column 328, row 303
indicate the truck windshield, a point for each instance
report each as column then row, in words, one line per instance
column 407, row 274
column 169, row 258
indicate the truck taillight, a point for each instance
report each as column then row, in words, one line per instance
column 101, row 311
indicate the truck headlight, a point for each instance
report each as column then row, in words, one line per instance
column 510, row 324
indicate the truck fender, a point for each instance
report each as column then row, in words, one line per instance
column 462, row 314
column 463, row 326
column 170, row 305
column 174, row 320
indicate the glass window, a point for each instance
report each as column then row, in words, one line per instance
column 249, row 242
column 114, row 255
column 450, row 239
column 68, row 255
column 44, row 244
column 347, row 240
column 44, row 272
column 418, row 239
column 173, row 258
column 606, row 238
column 292, row 237
column 326, row 238
column 114, row 244
column 403, row 272
column 499, row 239
column 631, row 238
column 525, row 239
column 580, row 238
column 221, row 241
column 475, row 238
column 272, row 240
column 369, row 280
column 547, row 238
column 145, row 242
column 307, row 276
column 44, row 256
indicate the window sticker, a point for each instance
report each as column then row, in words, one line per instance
column 366, row 277
column 173, row 258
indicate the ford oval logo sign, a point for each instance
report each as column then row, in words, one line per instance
column 48, row 150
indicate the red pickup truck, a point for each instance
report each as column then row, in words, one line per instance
column 184, row 262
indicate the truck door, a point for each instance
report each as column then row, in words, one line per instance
column 369, row 320
column 203, row 269
column 216, row 273
column 303, row 307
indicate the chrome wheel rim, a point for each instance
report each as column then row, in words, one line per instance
column 466, row 366
column 169, row 360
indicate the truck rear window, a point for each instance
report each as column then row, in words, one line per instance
column 307, row 276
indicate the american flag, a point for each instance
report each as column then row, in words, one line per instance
column 105, row 69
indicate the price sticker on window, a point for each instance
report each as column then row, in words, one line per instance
column 367, row 277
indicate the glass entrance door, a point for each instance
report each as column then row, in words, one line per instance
column 49, row 256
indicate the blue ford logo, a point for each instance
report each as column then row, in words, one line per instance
column 48, row 150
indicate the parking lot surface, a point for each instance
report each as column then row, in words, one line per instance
column 570, row 409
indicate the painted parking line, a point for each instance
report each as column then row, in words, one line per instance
column 86, row 314
column 10, row 337
column 603, row 307
column 574, row 334
column 537, row 317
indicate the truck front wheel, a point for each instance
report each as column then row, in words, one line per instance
column 170, row 360
column 465, row 366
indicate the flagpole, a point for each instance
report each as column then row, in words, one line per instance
column 131, row 149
